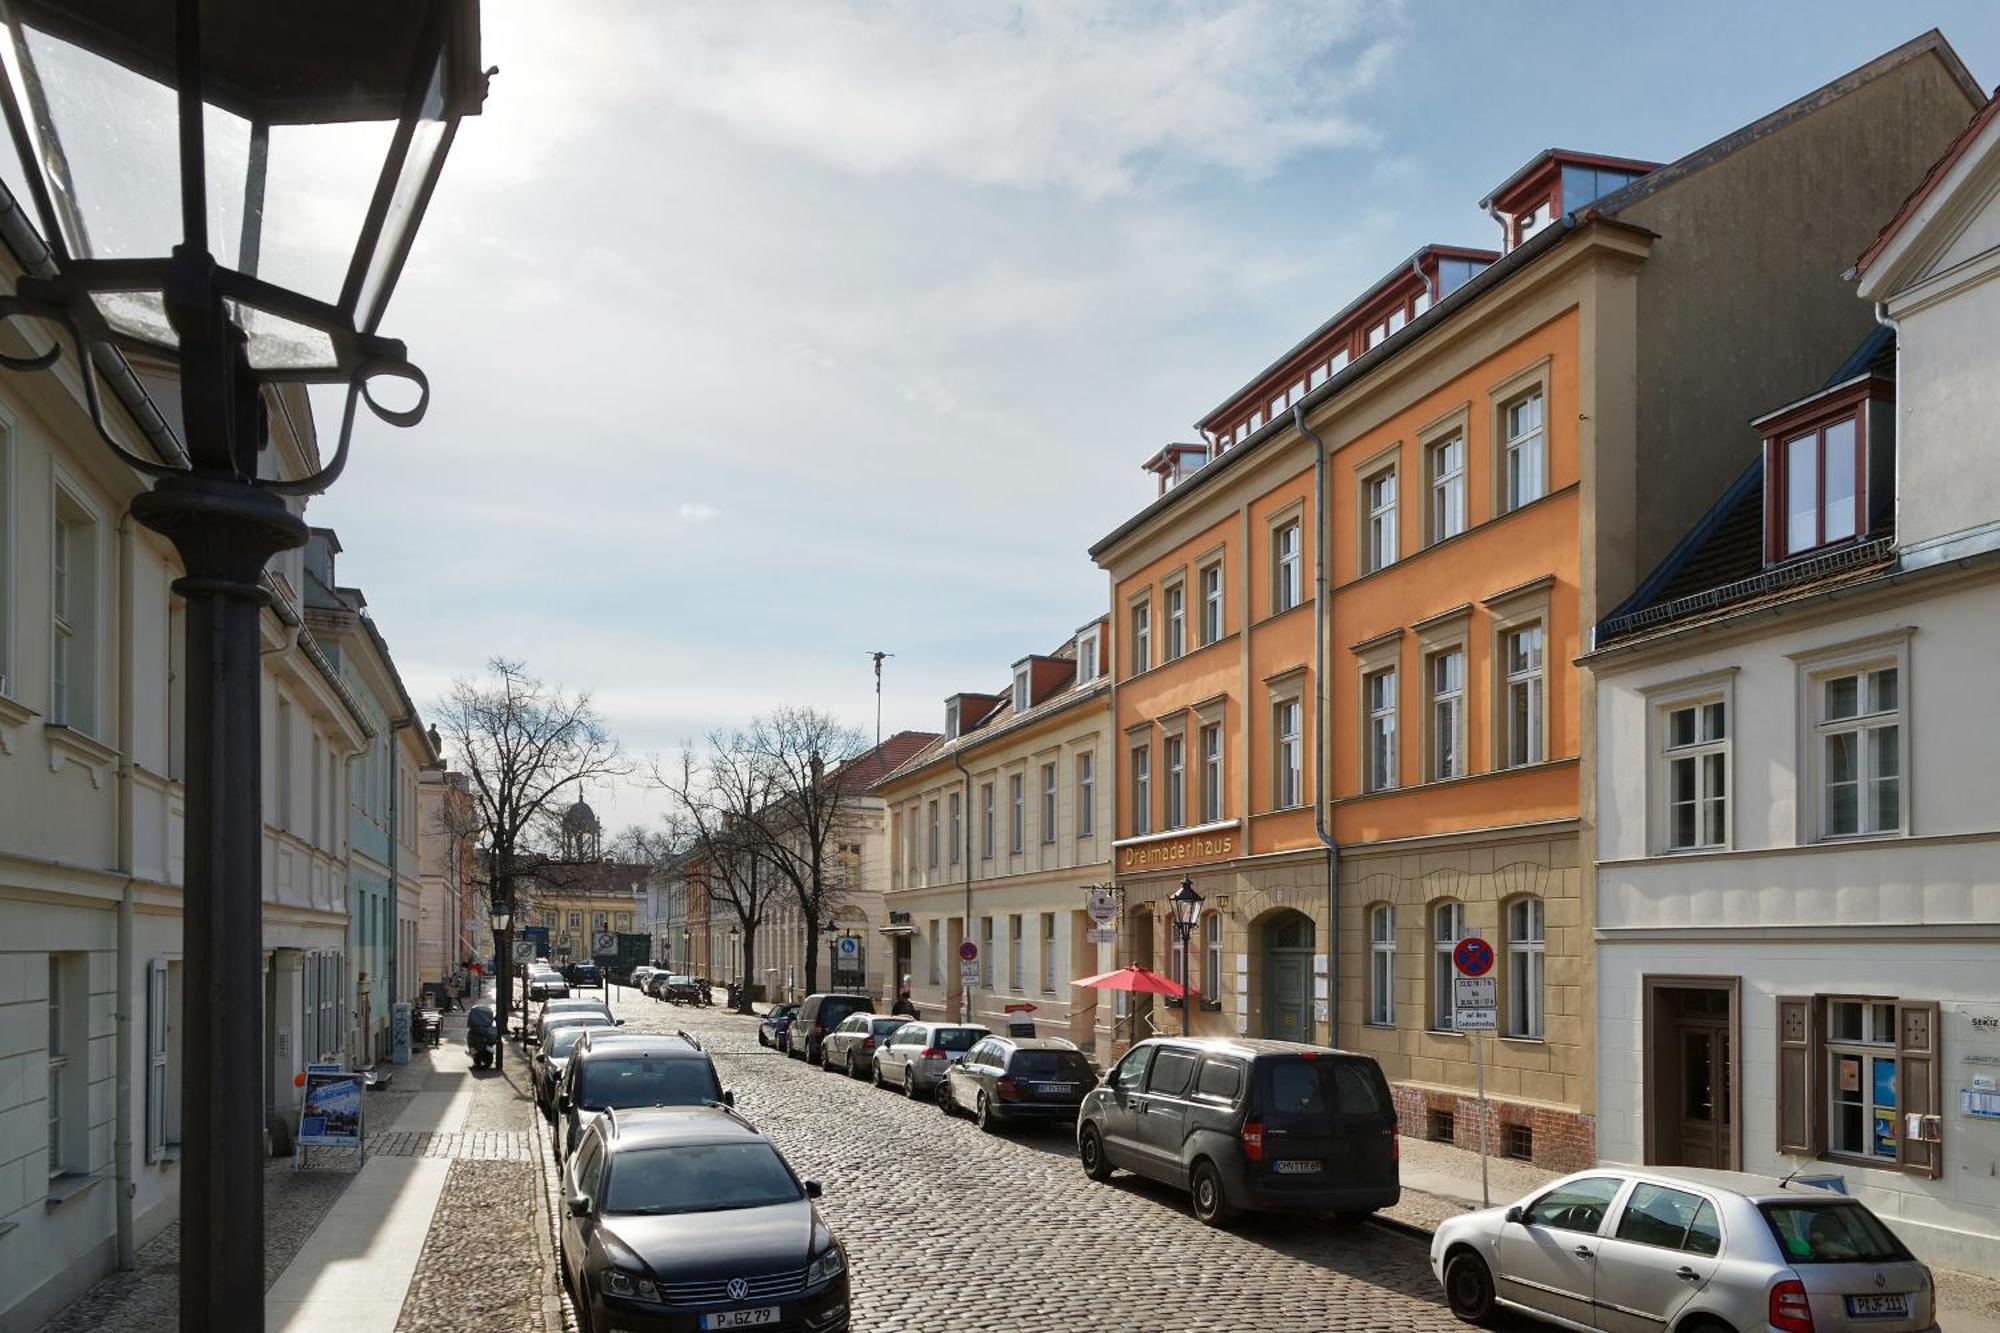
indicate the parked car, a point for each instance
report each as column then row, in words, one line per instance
column 1680, row 1249
column 637, row 978
column 545, row 983
column 1272, row 1126
column 850, row 1048
column 818, row 1015
column 555, row 1009
column 584, row 974
column 685, row 1219
column 1002, row 1080
column 656, row 984
column 771, row 1031
column 617, row 1071
column 552, row 1056
column 916, row 1055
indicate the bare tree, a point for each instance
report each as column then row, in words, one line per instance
column 521, row 742
column 719, row 799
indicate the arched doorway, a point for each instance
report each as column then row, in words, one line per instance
column 1288, row 971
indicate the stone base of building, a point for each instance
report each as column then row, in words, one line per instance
column 1543, row 1136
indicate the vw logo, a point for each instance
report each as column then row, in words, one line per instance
column 738, row 1289
column 1881, row 1280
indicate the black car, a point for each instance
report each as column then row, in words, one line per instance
column 584, row 974
column 1008, row 1079
column 817, row 1016
column 678, row 1219
column 609, row 1070
column 552, row 1058
column 1243, row 1124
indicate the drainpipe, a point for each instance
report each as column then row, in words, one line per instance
column 393, row 970
column 965, row 830
column 1325, row 835
column 121, row 1144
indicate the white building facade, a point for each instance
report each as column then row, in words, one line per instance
column 1798, row 849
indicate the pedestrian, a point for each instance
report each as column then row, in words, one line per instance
column 903, row 1008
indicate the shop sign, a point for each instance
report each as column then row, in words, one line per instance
column 1101, row 935
column 1100, row 903
column 1175, row 851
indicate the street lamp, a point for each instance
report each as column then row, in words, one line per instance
column 733, row 937
column 1187, row 909
column 832, row 933
column 308, row 139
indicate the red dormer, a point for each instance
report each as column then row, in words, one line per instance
column 1173, row 464
column 1554, row 182
column 1829, row 467
column 964, row 712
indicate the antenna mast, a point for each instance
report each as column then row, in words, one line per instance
column 878, row 655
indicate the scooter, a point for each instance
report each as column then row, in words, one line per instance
column 482, row 1037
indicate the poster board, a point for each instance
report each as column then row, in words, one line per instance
column 330, row 1112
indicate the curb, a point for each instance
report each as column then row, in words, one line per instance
column 557, row 1310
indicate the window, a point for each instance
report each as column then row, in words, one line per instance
column 1822, row 496
column 1521, row 654
column 986, row 820
column 931, row 950
column 1669, row 1218
column 1695, row 758
column 951, row 719
column 1086, row 656
column 1526, row 952
column 932, row 835
column 1017, row 814
column 1142, row 638
column 1211, row 773
column 73, row 617
column 163, row 1093
column 1211, row 602
column 1289, row 787
column 1048, row 803
column 1219, row 1081
column 1447, row 485
column 1049, row 952
column 1579, row 1205
column 986, row 952
column 1174, row 752
column 1523, row 462
column 1285, row 587
column 1378, row 332
column 1382, row 965
column 1142, row 789
column 1176, row 599
column 576, row 920
column 1858, row 738
column 59, row 1043
column 954, row 826
column 1014, row 952
column 1861, row 1078
column 1021, row 692
column 1447, row 714
column 1378, row 690
column 1086, row 796
column 1447, row 928
column 1379, row 541
column 1211, row 955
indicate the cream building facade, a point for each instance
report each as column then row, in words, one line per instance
column 1003, row 820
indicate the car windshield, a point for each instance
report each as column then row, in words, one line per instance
column 956, row 1039
column 1302, row 1089
column 1842, row 1232
column 1067, row 1066
column 565, row 1037
column 643, row 1081
column 699, row 1178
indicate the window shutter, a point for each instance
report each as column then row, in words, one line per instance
column 1918, row 1090
column 1800, row 1130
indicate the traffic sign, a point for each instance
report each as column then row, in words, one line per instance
column 604, row 942
column 1475, row 1004
column 849, row 946
column 968, row 975
column 1473, row 957
column 968, row 952
column 1021, row 1007
column 524, row 951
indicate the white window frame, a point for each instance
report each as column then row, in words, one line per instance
column 1525, row 679
column 1872, row 1045
column 1444, row 741
column 1287, row 556
column 1173, row 759
column 1209, row 581
column 1378, row 527
column 1444, row 472
column 1086, row 655
column 1526, row 920
column 1380, row 740
column 1211, row 955
column 1086, row 794
column 1017, row 813
column 1014, row 950
column 1049, row 806
column 1817, row 669
column 1210, row 737
column 1446, row 923
column 1524, row 454
column 58, row 1054
column 955, row 813
column 986, row 821
column 1048, row 953
column 1382, row 965
column 1142, row 636
column 931, row 833
column 1021, row 691
column 986, row 953
column 75, row 598
column 1287, row 752
column 1141, row 754
column 1665, row 702
column 1174, row 595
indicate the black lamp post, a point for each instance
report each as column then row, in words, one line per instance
column 832, row 933
column 733, row 936
column 1187, row 910
column 292, row 124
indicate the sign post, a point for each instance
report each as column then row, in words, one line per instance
column 1475, row 1008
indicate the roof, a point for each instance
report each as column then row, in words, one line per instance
column 1747, row 1183
column 1928, row 185
column 653, row 1044
column 1001, row 721
column 871, row 767
column 667, row 1126
column 1252, row 1045
column 1037, row 1043
column 1529, row 168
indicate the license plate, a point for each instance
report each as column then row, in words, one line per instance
column 1295, row 1167
column 1054, row 1089
column 1880, row 1307
column 741, row 1318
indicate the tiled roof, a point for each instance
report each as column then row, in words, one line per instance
column 868, row 769
column 996, row 724
column 1939, row 169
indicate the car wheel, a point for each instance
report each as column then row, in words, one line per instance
column 875, row 1076
column 825, row 1061
column 1211, row 1205
column 982, row 1116
column 909, row 1085
column 1090, row 1151
column 762, row 1040
column 944, row 1098
column 1468, row 1288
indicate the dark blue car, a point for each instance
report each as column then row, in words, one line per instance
column 777, row 1022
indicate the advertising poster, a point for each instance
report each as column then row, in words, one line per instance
column 330, row 1116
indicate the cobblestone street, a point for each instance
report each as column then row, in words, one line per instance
column 949, row 1228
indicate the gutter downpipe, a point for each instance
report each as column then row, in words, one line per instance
column 121, row 1146
column 393, row 970
column 965, row 832
column 1325, row 835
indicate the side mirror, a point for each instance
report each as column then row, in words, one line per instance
column 814, row 1189
column 618, row 1022
column 728, row 1098
column 1514, row 1213
column 579, row 1205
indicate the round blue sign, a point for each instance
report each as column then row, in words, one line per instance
column 849, row 945
column 1473, row 957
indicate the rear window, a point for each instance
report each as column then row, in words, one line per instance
column 639, row 1081
column 1067, row 1066
column 1173, row 1072
column 1294, row 1088
column 956, row 1039
column 882, row 1027
column 1842, row 1232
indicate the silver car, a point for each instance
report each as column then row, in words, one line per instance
column 915, row 1056
column 850, row 1047
column 1684, row 1251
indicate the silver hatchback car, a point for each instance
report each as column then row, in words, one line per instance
column 1684, row 1251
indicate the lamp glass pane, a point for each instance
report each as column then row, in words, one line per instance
column 315, row 202
column 141, row 315
column 277, row 343
column 419, row 165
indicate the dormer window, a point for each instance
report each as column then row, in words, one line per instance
column 951, row 719
column 1827, row 464
column 1086, row 656
column 1021, row 690
column 1819, row 470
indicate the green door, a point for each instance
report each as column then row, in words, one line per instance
column 1288, row 971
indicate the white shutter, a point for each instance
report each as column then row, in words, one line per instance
column 156, row 1059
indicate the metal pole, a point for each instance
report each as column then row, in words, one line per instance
column 1187, row 1018
column 1479, row 1077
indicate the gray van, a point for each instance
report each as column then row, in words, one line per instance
column 817, row 1016
column 1247, row 1125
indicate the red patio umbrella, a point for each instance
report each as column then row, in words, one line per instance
column 1135, row 978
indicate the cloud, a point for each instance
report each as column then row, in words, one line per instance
column 694, row 511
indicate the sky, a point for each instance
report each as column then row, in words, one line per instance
column 763, row 335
